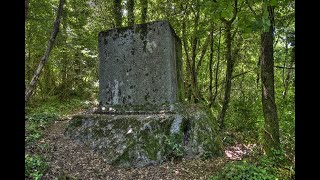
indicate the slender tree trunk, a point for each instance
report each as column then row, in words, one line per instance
column 287, row 80
column 35, row 78
column 210, row 69
column 271, row 126
column 117, row 11
column 194, row 84
column 258, row 71
column 188, row 66
column 216, row 79
column 130, row 12
column 229, row 71
column 230, row 64
column 284, row 64
column 77, row 69
column 144, row 10
column 203, row 52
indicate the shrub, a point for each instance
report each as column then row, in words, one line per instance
column 243, row 170
column 35, row 166
column 174, row 146
column 36, row 123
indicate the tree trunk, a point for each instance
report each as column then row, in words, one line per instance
column 287, row 80
column 35, row 78
column 210, row 69
column 204, row 50
column 271, row 126
column 230, row 64
column 217, row 70
column 117, row 11
column 130, row 12
column 194, row 83
column 258, row 71
column 144, row 11
column 229, row 71
column 188, row 66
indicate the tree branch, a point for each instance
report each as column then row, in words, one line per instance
column 203, row 52
column 284, row 67
column 43, row 60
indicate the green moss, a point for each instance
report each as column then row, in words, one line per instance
column 126, row 122
column 126, row 157
column 76, row 122
column 150, row 144
column 98, row 133
column 85, row 133
column 103, row 123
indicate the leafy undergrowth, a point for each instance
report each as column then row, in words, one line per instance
column 37, row 120
column 248, row 160
column 251, row 168
column 243, row 139
column 35, row 166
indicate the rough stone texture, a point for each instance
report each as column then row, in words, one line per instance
column 141, row 140
column 140, row 65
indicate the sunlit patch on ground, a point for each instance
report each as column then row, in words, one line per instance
column 238, row 151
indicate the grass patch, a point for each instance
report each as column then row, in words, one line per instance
column 54, row 105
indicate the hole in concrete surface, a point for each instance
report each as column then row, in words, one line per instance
column 186, row 131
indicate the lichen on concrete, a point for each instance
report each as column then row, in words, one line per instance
column 140, row 65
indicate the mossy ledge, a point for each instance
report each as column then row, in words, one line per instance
column 138, row 140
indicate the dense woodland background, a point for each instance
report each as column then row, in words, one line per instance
column 235, row 54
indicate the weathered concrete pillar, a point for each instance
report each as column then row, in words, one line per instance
column 140, row 65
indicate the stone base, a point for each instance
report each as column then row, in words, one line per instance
column 137, row 140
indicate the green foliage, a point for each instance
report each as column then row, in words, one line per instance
column 32, row 133
column 174, row 146
column 38, row 119
column 278, row 164
column 243, row 170
column 36, row 123
column 273, row 2
column 35, row 166
column 265, row 20
column 245, row 115
column 258, row 167
column 42, row 118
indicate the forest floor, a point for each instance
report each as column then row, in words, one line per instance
column 69, row 160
